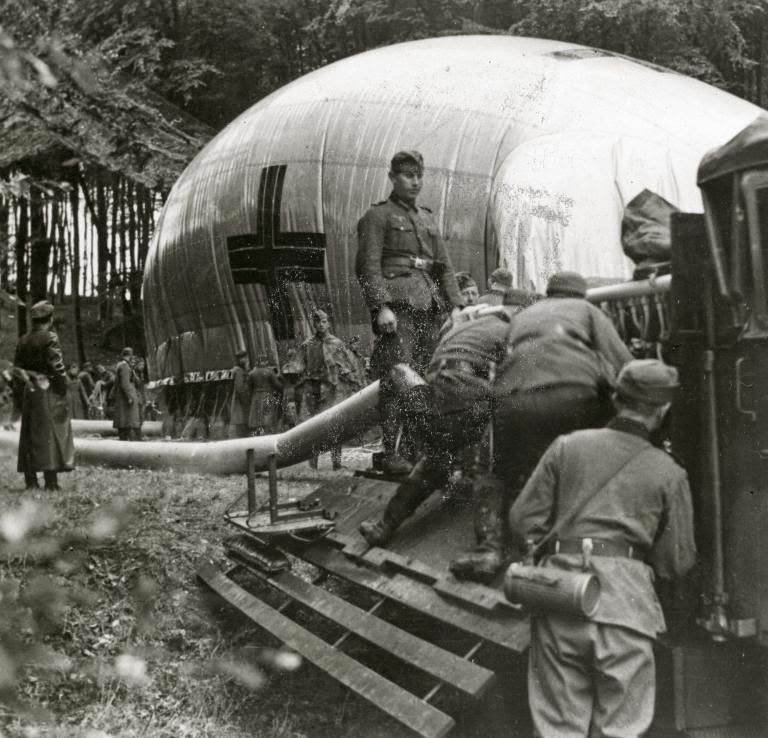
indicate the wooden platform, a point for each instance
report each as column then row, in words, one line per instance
column 410, row 575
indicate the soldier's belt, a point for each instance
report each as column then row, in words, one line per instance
column 599, row 548
column 463, row 366
column 413, row 262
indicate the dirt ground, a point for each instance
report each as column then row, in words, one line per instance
column 105, row 630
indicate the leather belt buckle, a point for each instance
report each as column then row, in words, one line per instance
column 418, row 263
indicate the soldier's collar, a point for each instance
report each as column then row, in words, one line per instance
column 403, row 204
column 627, row 425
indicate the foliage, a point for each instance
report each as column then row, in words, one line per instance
column 102, row 624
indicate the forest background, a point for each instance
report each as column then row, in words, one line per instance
column 104, row 102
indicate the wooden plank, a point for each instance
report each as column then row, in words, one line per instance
column 509, row 630
column 465, row 676
column 406, row 708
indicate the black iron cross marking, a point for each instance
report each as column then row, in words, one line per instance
column 273, row 258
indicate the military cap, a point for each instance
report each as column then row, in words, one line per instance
column 318, row 314
column 647, row 380
column 501, row 276
column 406, row 159
column 567, row 284
column 515, row 296
column 464, row 280
column 41, row 310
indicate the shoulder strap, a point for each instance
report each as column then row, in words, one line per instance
column 586, row 497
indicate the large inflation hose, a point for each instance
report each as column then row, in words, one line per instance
column 334, row 425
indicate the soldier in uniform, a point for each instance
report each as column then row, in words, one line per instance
column 266, row 397
column 329, row 375
column 126, row 392
column 240, row 405
column 468, row 288
column 607, row 501
column 45, row 438
column 408, row 283
column 562, row 359
column 499, row 281
column 459, row 375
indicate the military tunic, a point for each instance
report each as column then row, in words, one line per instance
column 266, row 395
column 402, row 263
column 612, row 485
column 562, row 358
column 329, row 374
column 460, row 376
column 240, row 404
column 127, row 413
column 45, row 438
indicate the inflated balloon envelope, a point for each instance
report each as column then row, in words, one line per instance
column 546, row 589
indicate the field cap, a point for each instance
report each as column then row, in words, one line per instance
column 464, row 280
column 318, row 314
column 647, row 380
column 567, row 284
column 516, row 296
column 40, row 310
column 501, row 277
column 406, row 159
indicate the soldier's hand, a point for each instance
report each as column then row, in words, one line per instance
column 386, row 321
column 456, row 310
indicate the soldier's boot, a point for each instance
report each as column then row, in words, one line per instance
column 486, row 559
column 30, row 480
column 410, row 494
column 51, row 481
column 336, row 457
column 391, row 462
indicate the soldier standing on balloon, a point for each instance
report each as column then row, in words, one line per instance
column 45, row 438
column 408, row 283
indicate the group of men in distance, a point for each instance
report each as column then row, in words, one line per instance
column 320, row 373
column 49, row 395
column 580, row 485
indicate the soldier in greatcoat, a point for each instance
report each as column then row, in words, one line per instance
column 408, row 283
column 329, row 375
column 240, row 404
column 45, row 438
column 76, row 394
column 127, row 398
column 608, row 502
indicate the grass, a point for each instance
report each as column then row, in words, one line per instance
column 112, row 634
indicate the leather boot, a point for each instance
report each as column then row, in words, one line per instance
column 30, row 480
column 51, row 481
column 410, row 494
column 483, row 563
column 391, row 462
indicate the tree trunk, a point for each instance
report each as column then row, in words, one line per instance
column 74, row 262
column 102, row 250
column 22, row 237
column 5, row 224
column 41, row 248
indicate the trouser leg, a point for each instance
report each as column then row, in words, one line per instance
column 122, row 434
column 336, row 456
column 625, row 683
column 51, row 480
column 30, row 479
column 559, row 681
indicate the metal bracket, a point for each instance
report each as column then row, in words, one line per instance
column 751, row 414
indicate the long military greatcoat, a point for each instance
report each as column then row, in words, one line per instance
column 45, row 439
column 127, row 397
